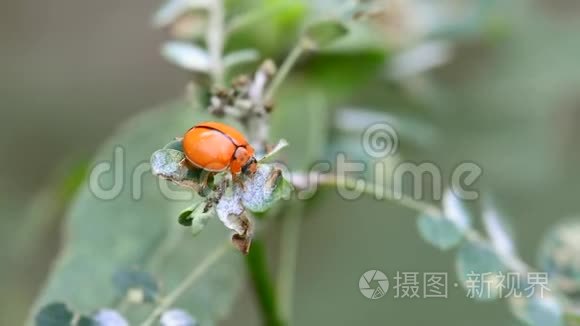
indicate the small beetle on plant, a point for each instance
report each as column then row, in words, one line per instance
column 215, row 147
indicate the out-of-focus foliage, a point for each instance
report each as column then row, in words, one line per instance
column 506, row 99
column 559, row 256
column 439, row 231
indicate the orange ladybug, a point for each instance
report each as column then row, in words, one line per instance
column 215, row 147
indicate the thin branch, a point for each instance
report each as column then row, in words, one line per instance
column 512, row 262
column 256, row 262
column 370, row 189
column 285, row 68
column 288, row 259
column 186, row 283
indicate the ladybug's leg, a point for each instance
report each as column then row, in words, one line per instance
column 236, row 178
column 203, row 182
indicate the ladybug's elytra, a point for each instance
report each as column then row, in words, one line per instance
column 215, row 147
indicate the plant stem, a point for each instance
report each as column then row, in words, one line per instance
column 284, row 70
column 513, row 262
column 370, row 189
column 186, row 283
column 288, row 257
column 256, row 262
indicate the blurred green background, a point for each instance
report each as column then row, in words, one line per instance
column 509, row 100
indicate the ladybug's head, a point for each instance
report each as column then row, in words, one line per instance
column 251, row 166
column 244, row 161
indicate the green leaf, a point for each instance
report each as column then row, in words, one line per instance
column 479, row 270
column 456, row 211
column 240, row 57
column 360, row 40
column 177, row 317
column 185, row 217
column 167, row 163
column 559, row 255
column 170, row 163
column 176, row 144
column 282, row 143
column 106, row 235
column 199, row 218
column 498, row 231
column 58, row 314
column 343, row 73
column 268, row 25
column 439, row 231
column 137, row 286
column 545, row 312
column 538, row 310
column 187, row 56
column 324, row 33
column 54, row 314
column 264, row 188
column 173, row 9
column 232, row 213
column 109, row 317
column 255, row 194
